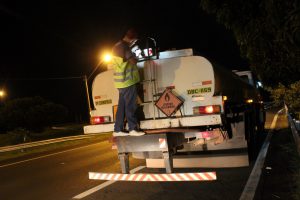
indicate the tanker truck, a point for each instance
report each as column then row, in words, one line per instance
column 215, row 115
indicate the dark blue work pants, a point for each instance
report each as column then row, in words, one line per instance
column 127, row 106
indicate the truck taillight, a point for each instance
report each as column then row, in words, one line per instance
column 212, row 109
column 100, row 119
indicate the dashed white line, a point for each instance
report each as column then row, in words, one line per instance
column 103, row 185
column 23, row 161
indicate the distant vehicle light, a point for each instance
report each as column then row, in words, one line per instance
column 259, row 84
column 249, row 100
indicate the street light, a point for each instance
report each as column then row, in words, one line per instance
column 107, row 57
column 2, row 93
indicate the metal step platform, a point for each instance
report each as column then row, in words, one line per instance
column 165, row 142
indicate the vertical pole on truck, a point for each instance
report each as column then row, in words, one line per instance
column 152, row 82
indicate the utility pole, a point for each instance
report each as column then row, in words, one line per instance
column 87, row 94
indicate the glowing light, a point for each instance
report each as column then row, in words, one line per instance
column 209, row 109
column 99, row 119
column 249, row 101
column 2, row 93
column 107, row 57
column 259, row 84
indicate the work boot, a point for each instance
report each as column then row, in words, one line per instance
column 136, row 133
column 119, row 134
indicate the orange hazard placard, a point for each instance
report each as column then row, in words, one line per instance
column 168, row 103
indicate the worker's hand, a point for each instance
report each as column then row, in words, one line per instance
column 132, row 61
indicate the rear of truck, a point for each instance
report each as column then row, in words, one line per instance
column 207, row 93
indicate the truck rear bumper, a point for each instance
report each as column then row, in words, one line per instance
column 204, row 120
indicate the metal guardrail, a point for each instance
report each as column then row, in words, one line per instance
column 297, row 124
column 40, row 143
column 295, row 132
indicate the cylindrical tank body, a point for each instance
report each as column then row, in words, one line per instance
column 195, row 80
column 229, row 84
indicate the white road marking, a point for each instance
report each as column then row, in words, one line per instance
column 48, row 155
column 251, row 185
column 40, row 143
column 103, row 185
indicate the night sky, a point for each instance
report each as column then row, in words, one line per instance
column 46, row 46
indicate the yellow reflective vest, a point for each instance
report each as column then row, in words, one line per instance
column 125, row 74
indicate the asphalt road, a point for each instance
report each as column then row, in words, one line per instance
column 64, row 175
column 58, row 176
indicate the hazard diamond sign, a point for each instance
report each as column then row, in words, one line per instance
column 168, row 102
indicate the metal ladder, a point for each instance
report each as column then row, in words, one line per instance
column 153, row 88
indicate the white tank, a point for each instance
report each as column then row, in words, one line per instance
column 104, row 94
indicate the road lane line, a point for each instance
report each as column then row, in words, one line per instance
column 251, row 185
column 103, row 185
column 40, row 143
column 48, row 155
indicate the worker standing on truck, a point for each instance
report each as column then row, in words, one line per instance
column 126, row 76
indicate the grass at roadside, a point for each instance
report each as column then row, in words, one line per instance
column 52, row 147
